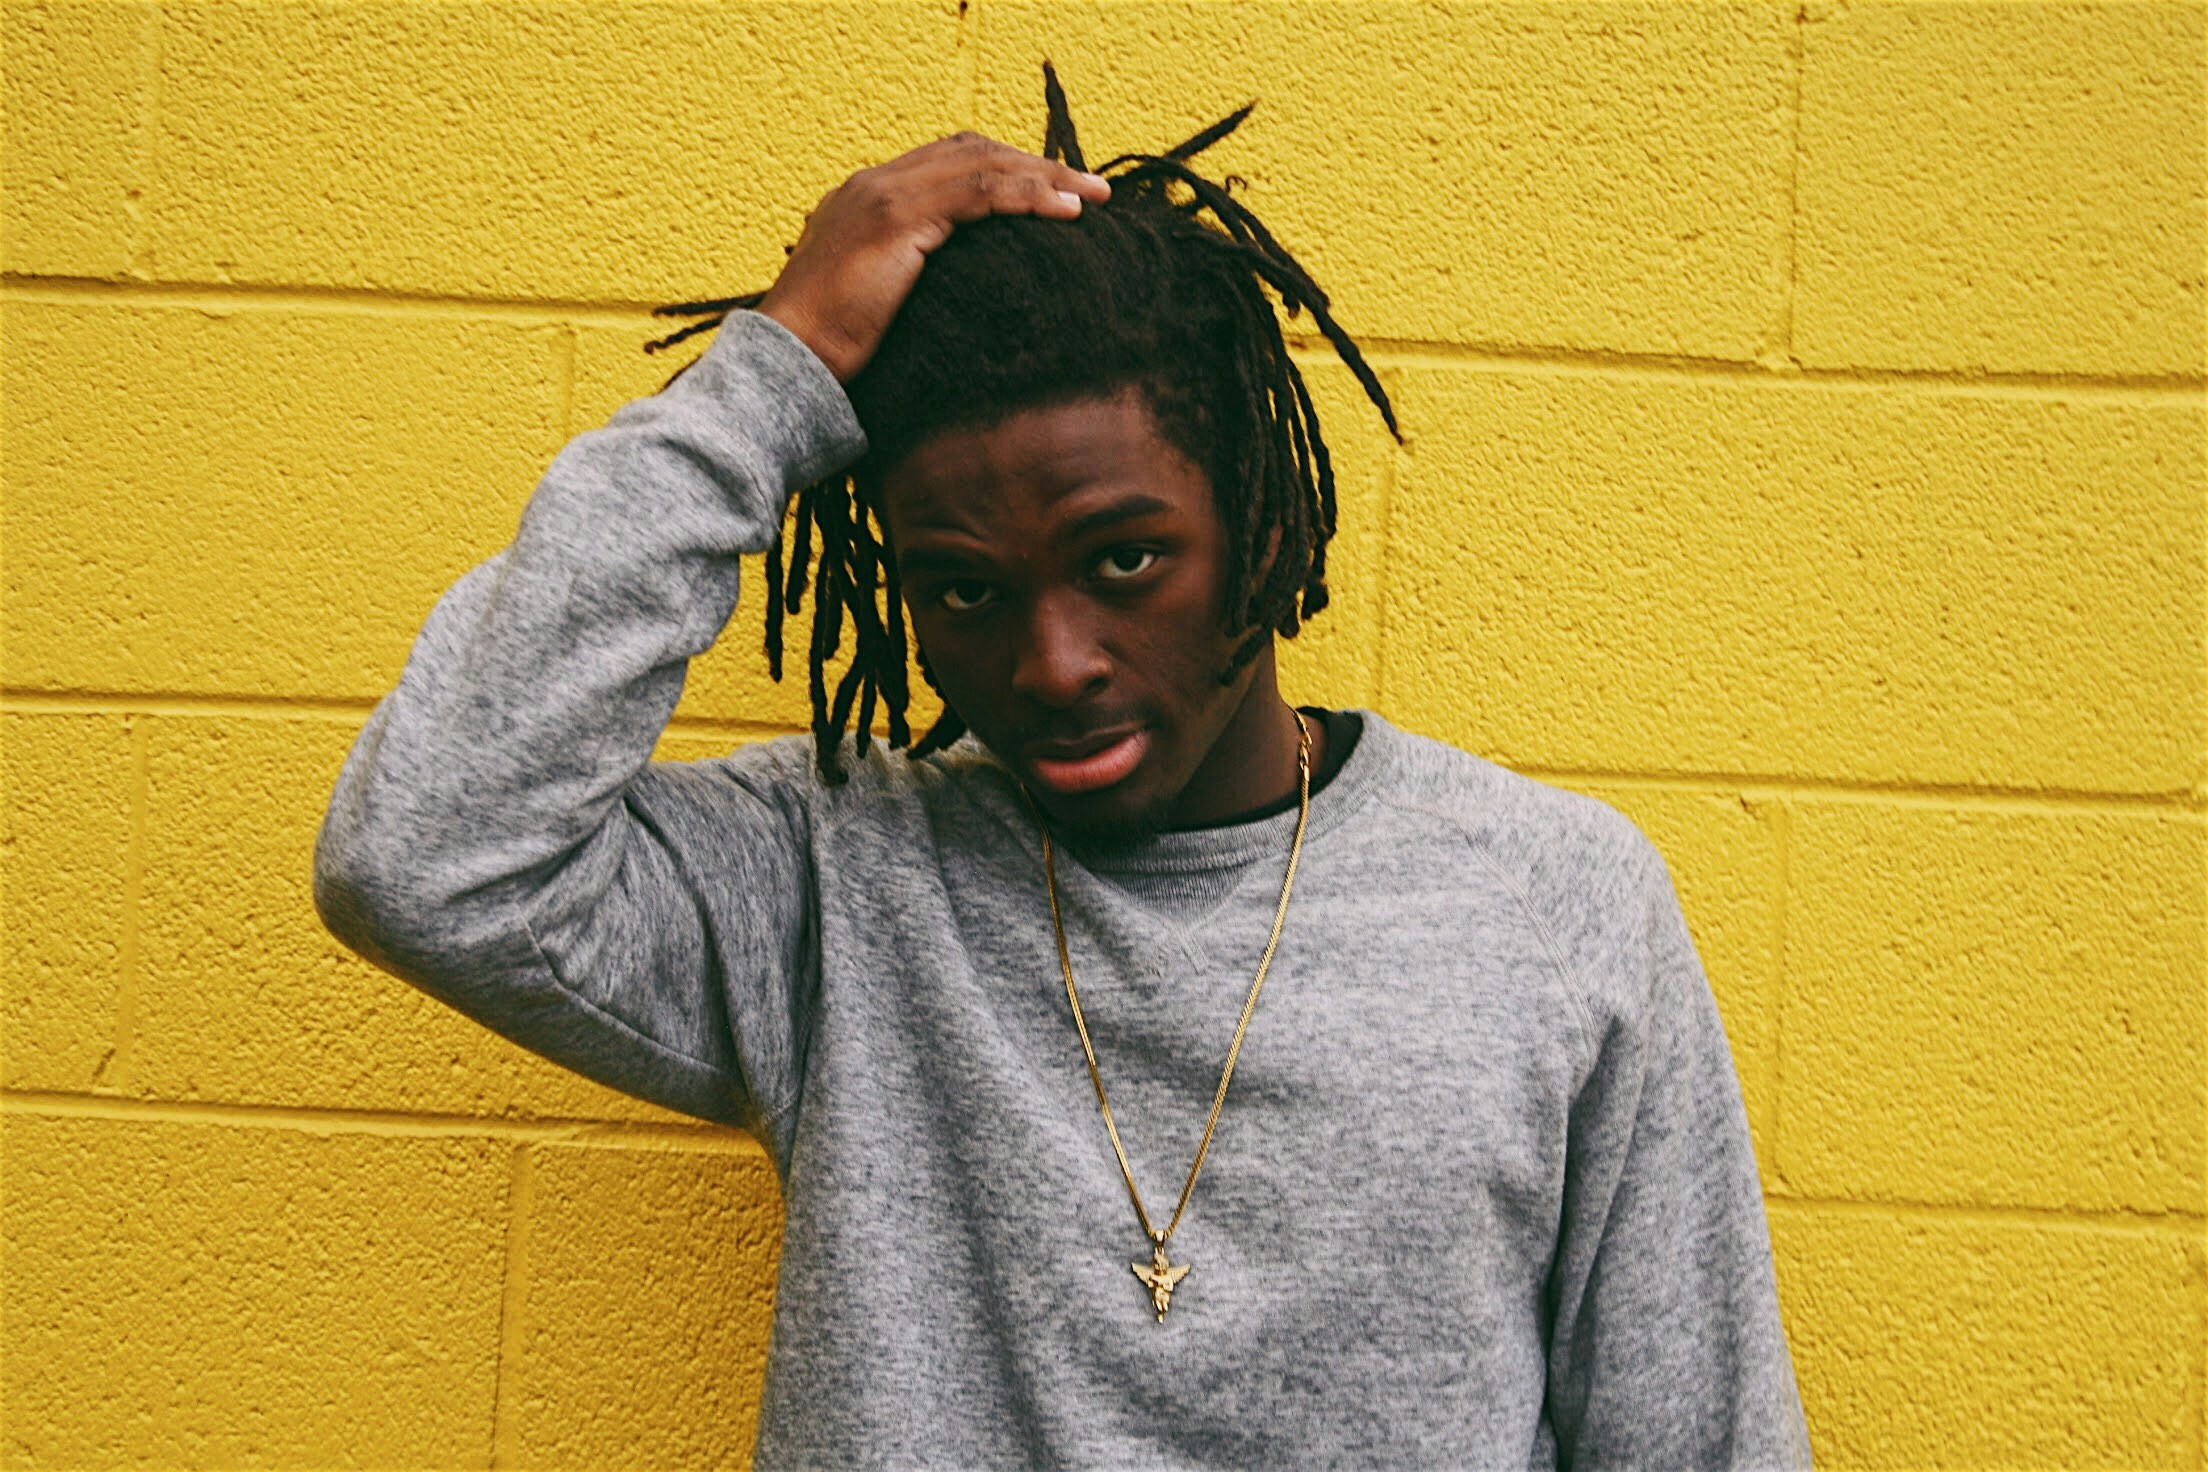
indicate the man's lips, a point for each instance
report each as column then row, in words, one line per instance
column 1086, row 765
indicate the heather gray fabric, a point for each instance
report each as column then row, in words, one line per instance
column 1482, row 1195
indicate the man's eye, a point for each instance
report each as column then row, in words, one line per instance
column 962, row 597
column 1126, row 562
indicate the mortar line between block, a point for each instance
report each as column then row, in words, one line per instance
column 969, row 62
column 281, row 708
column 222, row 296
column 217, row 297
column 2052, row 800
column 114, row 1071
column 2065, row 802
column 512, row 1312
column 394, row 1124
column 136, row 246
column 1790, row 237
column 1501, row 357
column 161, row 703
column 2184, row 1225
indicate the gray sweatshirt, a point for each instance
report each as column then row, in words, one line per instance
column 1482, row 1194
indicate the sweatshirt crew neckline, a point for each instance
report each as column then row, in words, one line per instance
column 1368, row 768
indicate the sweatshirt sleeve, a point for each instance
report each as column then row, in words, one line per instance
column 499, row 836
column 1666, row 1347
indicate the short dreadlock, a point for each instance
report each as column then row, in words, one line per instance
column 1016, row 312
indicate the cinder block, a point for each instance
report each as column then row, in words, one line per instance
column 1929, row 1342
column 1723, row 852
column 1998, row 1008
column 1660, row 573
column 650, row 1291
column 567, row 150
column 1608, row 176
column 2017, row 188
column 76, row 114
column 65, row 876
column 244, row 998
column 191, row 1295
column 259, row 502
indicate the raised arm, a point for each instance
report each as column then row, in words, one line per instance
column 499, row 836
column 488, row 837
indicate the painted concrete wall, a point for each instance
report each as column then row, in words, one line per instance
column 1806, row 421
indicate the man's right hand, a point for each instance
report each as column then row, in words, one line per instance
column 865, row 242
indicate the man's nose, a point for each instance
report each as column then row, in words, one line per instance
column 1059, row 660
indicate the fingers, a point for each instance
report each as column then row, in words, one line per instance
column 968, row 176
column 863, row 245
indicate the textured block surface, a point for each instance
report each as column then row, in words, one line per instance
column 650, row 1283
column 201, row 1295
column 1590, row 176
column 65, row 860
column 245, row 998
column 72, row 172
column 1922, row 1342
column 2018, row 188
column 565, row 150
column 258, row 502
column 2001, row 1009
column 1658, row 574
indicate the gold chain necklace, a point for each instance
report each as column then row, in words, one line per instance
column 1158, row 1274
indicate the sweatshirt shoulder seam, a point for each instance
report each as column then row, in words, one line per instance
column 1573, row 986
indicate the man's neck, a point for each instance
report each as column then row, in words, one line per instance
column 1253, row 764
column 1335, row 735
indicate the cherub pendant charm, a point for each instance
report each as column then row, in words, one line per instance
column 1161, row 1276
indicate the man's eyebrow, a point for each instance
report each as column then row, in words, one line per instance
column 1132, row 507
column 923, row 558
column 926, row 557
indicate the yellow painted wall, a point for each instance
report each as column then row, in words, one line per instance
column 1806, row 423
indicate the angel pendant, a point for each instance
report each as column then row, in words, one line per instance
column 1160, row 1276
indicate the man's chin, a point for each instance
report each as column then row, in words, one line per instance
column 1106, row 817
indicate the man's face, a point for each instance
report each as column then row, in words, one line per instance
column 1064, row 571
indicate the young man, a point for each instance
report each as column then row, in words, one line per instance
column 1481, row 1192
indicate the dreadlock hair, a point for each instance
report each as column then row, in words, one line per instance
column 1017, row 312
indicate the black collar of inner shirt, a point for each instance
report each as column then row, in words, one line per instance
column 1342, row 730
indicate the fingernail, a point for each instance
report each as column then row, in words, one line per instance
column 1071, row 201
column 1099, row 179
